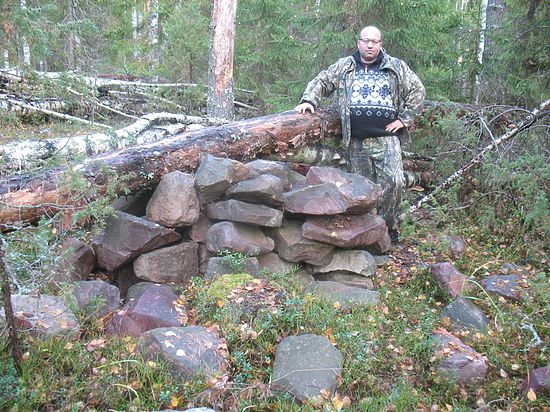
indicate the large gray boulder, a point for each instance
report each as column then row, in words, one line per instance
column 321, row 199
column 272, row 263
column 359, row 262
column 457, row 361
column 361, row 194
column 305, row 365
column 192, row 352
column 237, row 237
column 172, row 264
column 153, row 306
column 507, row 286
column 291, row 246
column 264, row 189
column 349, row 232
column 237, row 211
column 344, row 296
column 95, row 297
column 175, row 201
column 215, row 175
column 346, row 278
column 125, row 237
column 42, row 316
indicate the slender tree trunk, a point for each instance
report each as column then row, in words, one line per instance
column 25, row 45
column 220, row 65
column 481, row 49
column 135, row 25
column 8, row 307
column 6, row 59
column 71, row 36
column 153, row 32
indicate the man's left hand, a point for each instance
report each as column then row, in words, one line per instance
column 395, row 126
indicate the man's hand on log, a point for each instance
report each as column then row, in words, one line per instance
column 303, row 108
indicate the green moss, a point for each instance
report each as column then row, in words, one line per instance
column 223, row 285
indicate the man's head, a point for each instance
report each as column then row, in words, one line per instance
column 369, row 44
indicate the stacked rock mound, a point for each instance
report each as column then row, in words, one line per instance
column 323, row 221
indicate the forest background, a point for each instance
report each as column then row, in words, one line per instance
column 491, row 57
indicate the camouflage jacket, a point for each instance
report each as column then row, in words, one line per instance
column 407, row 91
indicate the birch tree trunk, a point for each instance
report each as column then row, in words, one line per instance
column 6, row 59
column 71, row 36
column 220, row 64
column 135, row 25
column 481, row 48
column 153, row 32
column 25, row 44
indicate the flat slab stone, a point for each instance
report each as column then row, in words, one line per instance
column 192, row 352
column 264, row 189
column 218, row 266
column 42, row 316
column 450, row 278
column 237, row 211
column 175, row 201
column 346, row 296
column 305, row 365
column 347, row 232
column 346, row 278
column 237, row 237
column 172, row 264
column 95, row 297
column 215, row 175
column 465, row 315
column 507, row 286
column 155, row 306
column 273, row 263
column 538, row 380
column 291, row 246
column 125, row 237
column 458, row 361
column 359, row 262
column 361, row 194
column 321, row 199
column 269, row 167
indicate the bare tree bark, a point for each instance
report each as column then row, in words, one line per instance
column 24, row 44
column 481, row 48
column 8, row 307
column 153, row 32
column 220, row 64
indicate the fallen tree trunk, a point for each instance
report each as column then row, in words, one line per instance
column 23, row 200
column 22, row 155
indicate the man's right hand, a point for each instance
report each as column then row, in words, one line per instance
column 303, row 108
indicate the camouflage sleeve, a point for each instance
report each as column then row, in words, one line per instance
column 323, row 85
column 413, row 96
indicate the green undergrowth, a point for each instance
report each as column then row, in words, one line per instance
column 388, row 355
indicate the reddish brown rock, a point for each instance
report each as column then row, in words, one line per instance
column 451, row 279
column 237, row 211
column 269, row 167
column 76, row 263
column 154, row 307
column 347, row 232
column 125, row 237
column 199, row 229
column 175, row 201
column 456, row 360
column 291, row 246
column 264, row 189
column 172, row 264
column 361, row 193
column 538, row 380
column 215, row 175
column 321, row 199
column 237, row 237
column 272, row 263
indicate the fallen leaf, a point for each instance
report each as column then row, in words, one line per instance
column 531, row 395
column 174, row 402
column 515, row 366
column 503, row 373
column 220, row 303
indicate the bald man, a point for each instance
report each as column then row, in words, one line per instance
column 378, row 97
